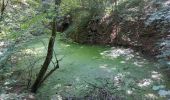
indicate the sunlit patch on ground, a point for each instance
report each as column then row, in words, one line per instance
column 123, row 62
column 129, row 92
column 2, row 44
column 145, row 83
column 3, row 47
column 118, row 79
column 118, row 52
column 139, row 64
column 104, row 66
column 56, row 97
column 156, row 75
column 67, row 45
column 151, row 96
column 34, row 51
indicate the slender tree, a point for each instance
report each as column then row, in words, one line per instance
column 42, row 74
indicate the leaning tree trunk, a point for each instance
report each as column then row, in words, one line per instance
column 47, row 61
column 42, row 74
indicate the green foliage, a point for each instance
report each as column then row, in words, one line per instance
column 19, row 17
column 95, row 6
column 130, row 9
column 32, row 21
column 82, row 11
column 79, row 22
column 33, row 3
column 68, row 5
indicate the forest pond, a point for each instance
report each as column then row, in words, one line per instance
column 85, row 69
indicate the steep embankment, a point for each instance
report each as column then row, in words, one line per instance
column 139, row 24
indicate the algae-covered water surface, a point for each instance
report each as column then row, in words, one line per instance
column 85, row 69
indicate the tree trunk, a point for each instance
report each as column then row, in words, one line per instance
column 41, row 75
column 47, row 61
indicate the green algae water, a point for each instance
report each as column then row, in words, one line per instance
column 121, row 71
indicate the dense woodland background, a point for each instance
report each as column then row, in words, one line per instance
column 66, row 49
